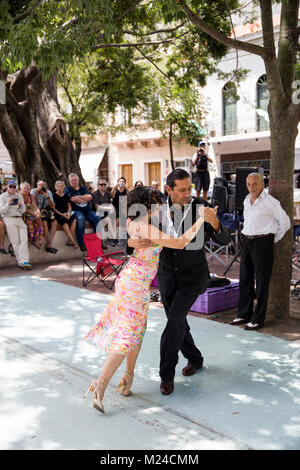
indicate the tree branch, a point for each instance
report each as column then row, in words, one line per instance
column 27, row 12
column 152, row 62
column 288, row 44
column 68, row 95
column 232, row 27
column 233, row 43
column 267, row 26
column 134, row 44
column 272, row 67
column 158, row 31
column 129, row 9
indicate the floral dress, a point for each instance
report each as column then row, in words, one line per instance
column 122, row 325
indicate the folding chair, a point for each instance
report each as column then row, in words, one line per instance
column 214, row 249
column 101, row 265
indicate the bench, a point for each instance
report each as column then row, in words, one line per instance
column 41, row 255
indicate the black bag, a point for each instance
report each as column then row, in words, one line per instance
column 48, row 215
column 218, row 281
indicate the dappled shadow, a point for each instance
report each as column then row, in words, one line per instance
column 247, row 394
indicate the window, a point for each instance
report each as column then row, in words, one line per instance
column 262, row 93
column 229, row 109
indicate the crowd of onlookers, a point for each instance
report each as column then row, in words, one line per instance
column 31, row 214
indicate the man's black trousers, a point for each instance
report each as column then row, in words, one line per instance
column 176, row 336
column 256, row 265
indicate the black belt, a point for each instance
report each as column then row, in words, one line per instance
column 258, row 236
column 201, row 171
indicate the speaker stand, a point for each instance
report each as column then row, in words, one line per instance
column 238, row 252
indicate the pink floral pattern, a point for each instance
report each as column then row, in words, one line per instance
column 122, row 325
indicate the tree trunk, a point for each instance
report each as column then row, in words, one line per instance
column 33, row 130
column 59, row 157
column 283, row 126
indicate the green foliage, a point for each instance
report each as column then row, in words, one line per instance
column 106, row 80
column 53, row 33
column 59, row 36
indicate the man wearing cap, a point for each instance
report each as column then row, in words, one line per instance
column 202, row 179
column 12, row 208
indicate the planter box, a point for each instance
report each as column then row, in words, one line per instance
column 216, row 299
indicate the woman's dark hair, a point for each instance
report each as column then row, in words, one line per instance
column 138, row 183
column 122, row 178
column 142, row 195
column 177, row 174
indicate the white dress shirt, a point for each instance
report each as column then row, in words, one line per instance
column 167, row 222
column 265, row 216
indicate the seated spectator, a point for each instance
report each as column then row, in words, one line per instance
column 155, row 185
column 32, row 216
column 12, row 208
column 91, row 188
column 64, row 214
column 80, row 199
column 138, row 183
column 2, row 236
column 44, row 199
column 105, row 209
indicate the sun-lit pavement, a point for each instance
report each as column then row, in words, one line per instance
column 246, row 397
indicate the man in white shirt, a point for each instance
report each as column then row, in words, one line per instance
column 265, row 223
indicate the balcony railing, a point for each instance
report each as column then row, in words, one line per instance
column 237, row 126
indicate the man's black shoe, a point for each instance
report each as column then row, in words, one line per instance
column 190, row 369
column 238, row 321
column 167, row 387
column 111, row 242
column 253, row 326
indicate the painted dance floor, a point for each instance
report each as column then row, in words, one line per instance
column 246, row 397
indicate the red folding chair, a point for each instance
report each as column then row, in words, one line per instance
column 101, row 265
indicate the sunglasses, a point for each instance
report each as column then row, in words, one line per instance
column 102, row 184
column 12, row 186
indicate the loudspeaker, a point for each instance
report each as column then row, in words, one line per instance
column 241, row 190
column 220, row 182
column 219, row 198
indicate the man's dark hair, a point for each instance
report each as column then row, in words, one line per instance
column 143, row 195
column 177, row 174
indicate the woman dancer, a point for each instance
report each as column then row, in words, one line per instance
column 122, row 325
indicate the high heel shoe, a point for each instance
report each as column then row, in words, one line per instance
column 124, row 386
column 96, row 387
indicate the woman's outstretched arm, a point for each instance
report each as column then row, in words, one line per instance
column 146, row 230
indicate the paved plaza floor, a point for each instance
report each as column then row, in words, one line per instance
column 246, row 397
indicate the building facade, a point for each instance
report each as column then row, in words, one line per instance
column 238, row 128
column 141, row 156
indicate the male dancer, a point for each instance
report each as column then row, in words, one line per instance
column 182, row 276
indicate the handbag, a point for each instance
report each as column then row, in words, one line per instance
column 48, row 215
column 29, row 216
